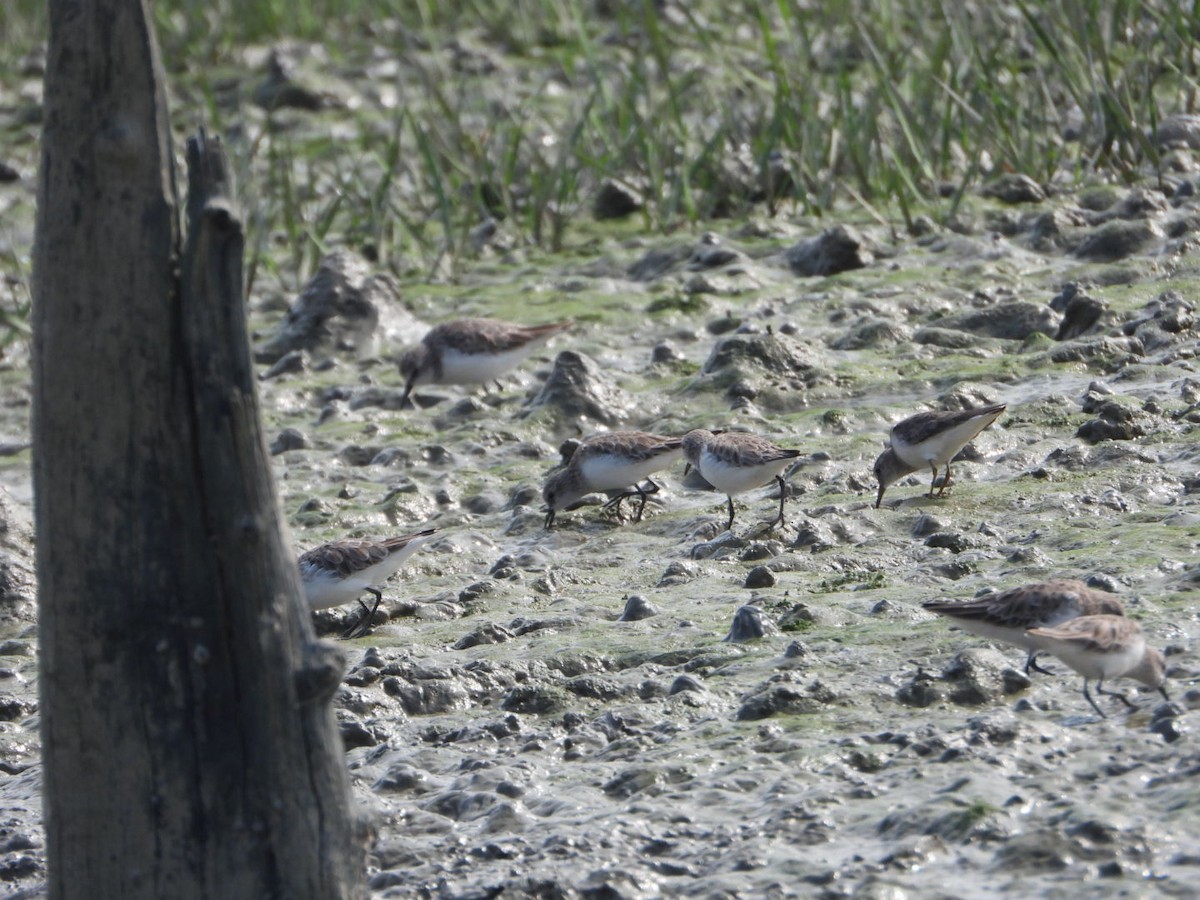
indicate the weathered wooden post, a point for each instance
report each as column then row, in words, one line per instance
column 189, row 746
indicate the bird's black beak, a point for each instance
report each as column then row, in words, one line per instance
column 408, row 386
column 549, row 519
column 879, row 496
column 1166, row 696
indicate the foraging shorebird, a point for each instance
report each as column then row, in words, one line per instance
column 611, row 461
column 1103, row 647
column 734, row 462
column 1007, row 616
column 342, row 571
column 930, row 439
column 472, row 351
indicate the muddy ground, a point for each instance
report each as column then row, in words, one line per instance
column 511, row 733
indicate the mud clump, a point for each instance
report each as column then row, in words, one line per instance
column 1118, row 239
column 874, row 333
column 340, row 312
column 1081, row 312
column 1163, row 322
column 749, row 624
column 977, row 676
column 839, row 249
column 578, row 390
column 18, row 576
column 616, row 199
column 1114, row 422
column 637, row 608
column 766, row 368
column 1015, row 188
column 779, row 697
column 1015, row 320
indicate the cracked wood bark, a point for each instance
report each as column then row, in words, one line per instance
column 189, row 747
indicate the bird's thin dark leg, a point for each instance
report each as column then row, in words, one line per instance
column 1091, row 701
column 933, row 481
column 639, row 491
column 363, row 625
column 729, row 524
column 408, row 394
column 778, row 520
column 644, row 491
column 615, row 502
column 1031, row 665
column 1100, row 690
column 621, row 499
column 945, row 481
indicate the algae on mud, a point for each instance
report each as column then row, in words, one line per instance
column 507, row 734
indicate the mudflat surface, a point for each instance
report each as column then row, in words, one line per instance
column 509, row 735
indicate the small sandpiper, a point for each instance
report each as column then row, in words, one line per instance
column 734, row 462
column 1103, row 647
column 611, row 461
column 930, row 439
column 472, row 351
column 1007, row 616
column 342, row 571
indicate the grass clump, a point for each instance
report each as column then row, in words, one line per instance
column 689, row 304
column 481, row 115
